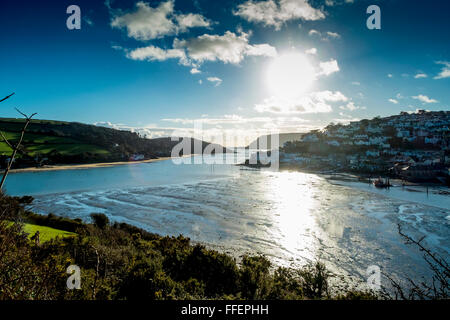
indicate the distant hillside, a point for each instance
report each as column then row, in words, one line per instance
column 58, row 142
column 283, row 138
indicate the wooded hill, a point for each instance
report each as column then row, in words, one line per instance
column 265, row 142
column 60, row 142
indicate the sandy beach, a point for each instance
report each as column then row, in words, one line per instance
column 84, row 166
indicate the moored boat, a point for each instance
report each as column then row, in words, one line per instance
column 380, row 183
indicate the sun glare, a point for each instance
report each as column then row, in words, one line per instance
column 290, row 75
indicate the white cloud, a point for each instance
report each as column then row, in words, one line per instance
column 108, row 124
column 215, row 80
column 276, row 12
column 150, row 131
column 152, row 53
column 332, row 3
column 191, row 20
column 230, row 130
column 324, row 36
column 315, row 102
column 195, row 71
column 200, row 81
column 328, row 67
column 146, row 22
column 420, row 75
column 334, row 35
column 314, row 32
column 240, row 130
column 424, row 99
column 117, row 47
column 393, row 101
column 88, row 20
column 311, row 51
column 228, row 48
column 261, row 50
column 227, row 119
column 329, row 96
column 351, row 106
column 356, row 83
column 346, row 120
column 445, row 72
column 390, row 75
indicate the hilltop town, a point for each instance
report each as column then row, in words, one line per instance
column 411, row 146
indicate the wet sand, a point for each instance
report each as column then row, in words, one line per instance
column 84, row 166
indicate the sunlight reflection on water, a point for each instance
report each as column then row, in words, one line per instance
column 293, row 207
column 291, row 217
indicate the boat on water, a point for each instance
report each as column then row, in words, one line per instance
column 380, row 183
column 257, row 165
column 258, row 160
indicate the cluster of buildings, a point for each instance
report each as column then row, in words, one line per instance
column 414, row 146
column 136, row 157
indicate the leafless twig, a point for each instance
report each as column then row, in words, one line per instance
column 438, row 288
column 15, row 147
column 7, row 97
column 6, row 141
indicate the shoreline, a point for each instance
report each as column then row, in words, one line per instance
column 58, row 167
column 359, row 177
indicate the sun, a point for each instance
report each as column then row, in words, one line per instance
column 290, row 75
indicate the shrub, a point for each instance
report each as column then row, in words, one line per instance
column 254, row 277
column 218, row 271
column 314, row 280
column 100, row 220
column 285, row 285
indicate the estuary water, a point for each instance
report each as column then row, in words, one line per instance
column 291, row 217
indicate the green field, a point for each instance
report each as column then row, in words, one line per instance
column 44, row 144
column 45, row 233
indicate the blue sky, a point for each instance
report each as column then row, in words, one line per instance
column 156, row 66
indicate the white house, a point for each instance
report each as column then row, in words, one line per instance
column 310, row 138
column 403, row 133
column 433, row 140
column 333, row 143
column 372, row 153
column 371, row 129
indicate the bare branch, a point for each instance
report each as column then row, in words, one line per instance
column 423, row 290
column 26, row 117
column 435, row 257
column 6, row 140
column 7, row 97
column 16, row 147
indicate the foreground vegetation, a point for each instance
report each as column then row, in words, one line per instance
column 120, row 261
column 46, row 233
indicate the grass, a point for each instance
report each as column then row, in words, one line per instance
column 21, row 120
column 5, row 149
column 66, row 149
column 43, row 144
column 45, row 233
